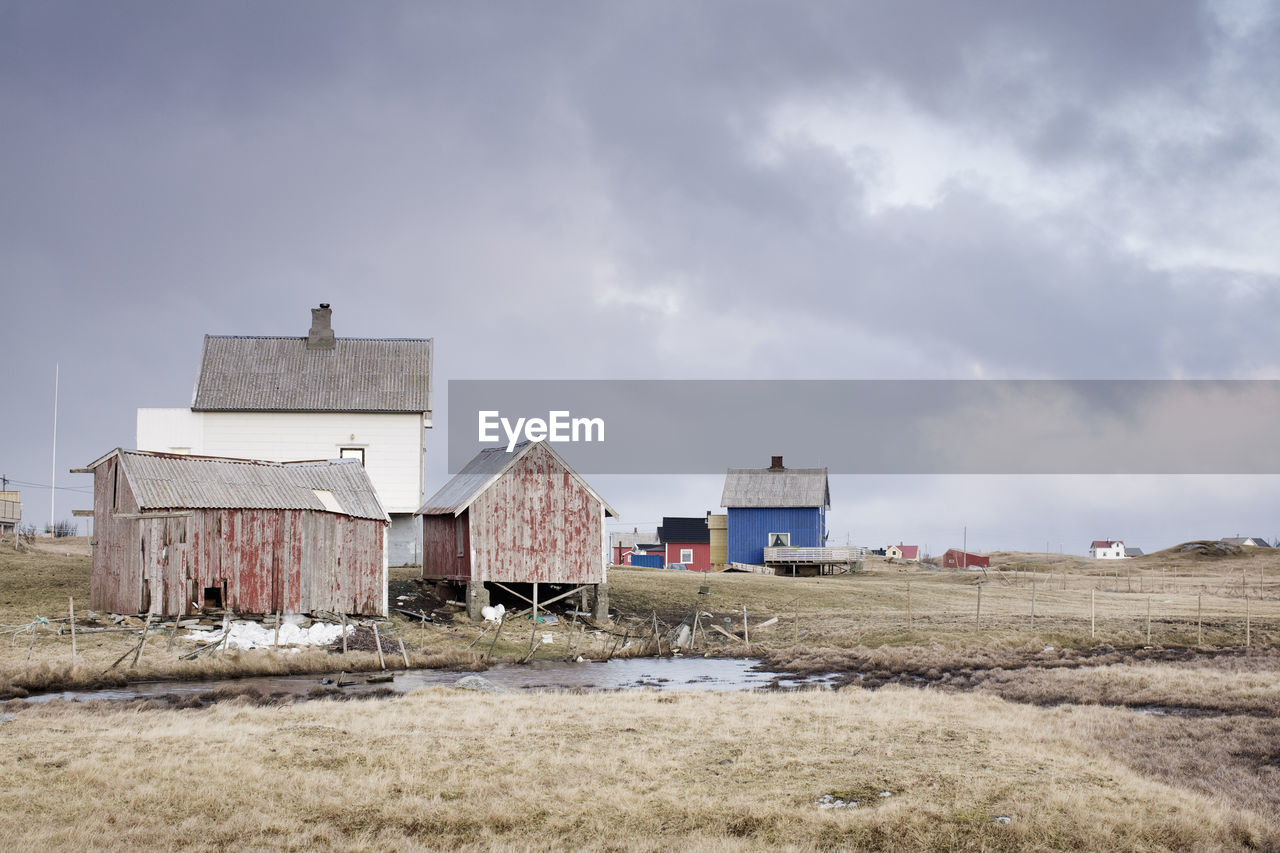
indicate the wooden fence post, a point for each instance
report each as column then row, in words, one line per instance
column 1148, row 620
column 1247, row 634
column 1093, row 615
column 910, row 620
column 71, row 609
column 377, row 640
column 1200, row 620
column 746, row 636
column 977, row 617
column 1033, row 602
column 344, row 633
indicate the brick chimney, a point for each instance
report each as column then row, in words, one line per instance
column 777, row 464
column 320, row 336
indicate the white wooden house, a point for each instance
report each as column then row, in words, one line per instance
column 1107, row 549
column 314, row 397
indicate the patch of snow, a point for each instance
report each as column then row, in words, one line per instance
column 252, row 635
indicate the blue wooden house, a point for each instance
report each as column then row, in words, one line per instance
column 774, row 507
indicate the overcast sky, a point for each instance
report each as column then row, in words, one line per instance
column 653, row 190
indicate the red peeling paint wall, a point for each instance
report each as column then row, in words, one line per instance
column 535, row 524
column 262, row 561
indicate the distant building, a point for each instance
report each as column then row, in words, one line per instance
column 686, row 541
column 177, row 534
column 1252, row 541
column 774, row 507
column 313, row 397
column 902, row 552
column 1107, row 549
column 10, row 511
column 718, row 525
column 957, row 559
column 623, row 545
column 517, row 519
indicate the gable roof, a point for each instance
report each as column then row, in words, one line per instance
column 483, row 470
column 163, row 481
column 1105, row 543
column 1257, row 541
column 691, row 530
column 391, row 375
column 768, row 487
column 631, row 540
column 909, row 552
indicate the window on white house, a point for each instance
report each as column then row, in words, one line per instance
column 686, row 555
column 352, row 453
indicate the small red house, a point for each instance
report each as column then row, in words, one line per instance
column 516, row 520
column 687, row 541
column 957, row 559
column 902, row 552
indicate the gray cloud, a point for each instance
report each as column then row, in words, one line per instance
column 579, row 190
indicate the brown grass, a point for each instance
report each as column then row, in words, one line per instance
column 443, row 769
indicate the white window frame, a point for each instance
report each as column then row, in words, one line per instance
column 785, row 536
column 351, row 453
column 686, row 555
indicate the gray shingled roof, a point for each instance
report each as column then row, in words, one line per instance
column 282, row 375
column 483, row 469
column 163, row 481
column 763, row 487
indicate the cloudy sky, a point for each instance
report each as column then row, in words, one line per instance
column 654, row 190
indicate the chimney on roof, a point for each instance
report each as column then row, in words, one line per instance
column 777, row 464
column 320, row 335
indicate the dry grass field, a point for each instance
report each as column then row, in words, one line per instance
column 1049, row 708
column 451, row 769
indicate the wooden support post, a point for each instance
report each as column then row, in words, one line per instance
column 1148, row 620
column 146, row 626
column 1199, row 620
column 1093, row 615
column 1247, row 634
column 276, row 641
column 977, row 616
column 344, row 633
column 535, row 603
column 377, row 641
column 71, row 610
column 404, row 654
column 502, row 620
column 746, row 635
column 910, row 620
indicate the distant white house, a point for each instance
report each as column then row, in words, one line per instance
column 1107, row 549
column 1252, row 541
column 286, row 399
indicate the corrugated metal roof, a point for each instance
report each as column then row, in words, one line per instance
column 163, row 481
column 483, row 469
column 766, row 487
column 282, row 375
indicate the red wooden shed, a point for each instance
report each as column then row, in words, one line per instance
column 174, row 534
column 522, row 517
column 957, row 559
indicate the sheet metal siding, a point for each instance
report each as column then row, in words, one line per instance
column 440, row 560
column 653, row 561
column 537, row 523
column 165, row 482
column 282, row 375
column 749, row 529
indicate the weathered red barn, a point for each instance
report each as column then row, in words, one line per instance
column 522, row 517
column 174, row 534
column 957, row 559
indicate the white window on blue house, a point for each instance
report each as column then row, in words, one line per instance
column 779, row 540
